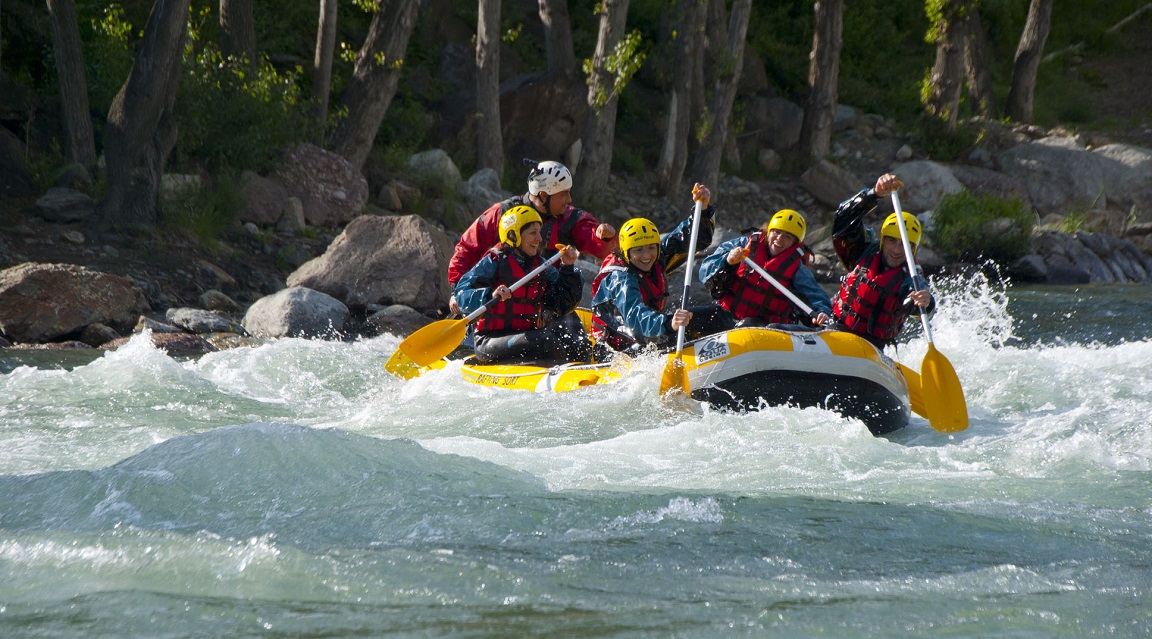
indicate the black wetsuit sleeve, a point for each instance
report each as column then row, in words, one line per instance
column 848, row 236
column 565, row 295
column 675, row 251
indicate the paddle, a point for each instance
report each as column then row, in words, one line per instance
column 437, row 339
column 912, row 377
column 780, row 287
column 675, row 375
column 941, row 391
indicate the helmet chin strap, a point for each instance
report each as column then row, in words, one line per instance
column 546, row 200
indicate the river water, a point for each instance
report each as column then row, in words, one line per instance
column 295, row 489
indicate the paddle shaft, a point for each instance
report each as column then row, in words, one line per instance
column 909, row 258
column 688, row 272
column 515, row 285
column 780, row 287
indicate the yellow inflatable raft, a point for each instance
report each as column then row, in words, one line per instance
column 748, row 368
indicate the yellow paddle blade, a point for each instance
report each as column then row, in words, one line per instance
column 948, row 413
column 402, row 366
column 915, row 396
column 675, row 376
column 434, row 341
column 585, row 316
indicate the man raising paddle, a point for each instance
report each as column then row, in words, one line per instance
column 878, row 293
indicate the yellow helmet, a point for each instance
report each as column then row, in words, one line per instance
column 637, row 232
column 891, row 229
column 515, row 219
column 788, row 221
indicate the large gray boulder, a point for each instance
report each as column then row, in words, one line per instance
column 42, row 302
column 265, row 199
column 482, row 190
column 925, row 184
column 1090, row 257
column 64, row 205
column 987, row 182
column 332, row 190
column 1062, row 174
column 296, row 312
column 436, row 165
column 1127, row 173
column 383, row 260
column 830, row 183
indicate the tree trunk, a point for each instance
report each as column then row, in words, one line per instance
column 823, row 79
column 373, row 82
column 558, row 37
column 945, row 81
column 707, row 164
column 489, row 141
column 674, row 155
column 600, row 129
column 711, row 49
column 73, row 86
column 141, row 131
column 978, row 65
column 322, row 67
column 238, row 29
column 1027, row 62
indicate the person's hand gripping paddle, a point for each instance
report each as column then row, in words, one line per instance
column 675, row 375
column 438, row 339
column 939, row 387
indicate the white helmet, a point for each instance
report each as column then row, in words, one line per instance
column 550, row 178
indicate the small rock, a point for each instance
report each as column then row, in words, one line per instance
column 200, row 321
column 174, row 344
column 147, row 323
column 215, row 300
column 96, row 334
column 74, row 237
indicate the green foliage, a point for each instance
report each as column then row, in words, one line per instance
column 882, row 58
column 940, row 12
column 1061, row 97
column 108, row 55
column 233, row 112
column 941, row 142
column 1077, row 216
column 207, row 210
column 972, row 226
column 1074, row 221
column 620, row 66
column 406, row 127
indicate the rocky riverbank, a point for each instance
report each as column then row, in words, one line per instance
column 322, row 251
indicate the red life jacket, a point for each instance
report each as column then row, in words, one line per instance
column 653, row 287
column 522, row 311
column 750, row 295
column 869, row 300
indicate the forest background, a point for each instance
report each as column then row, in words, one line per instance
column 223, row 87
